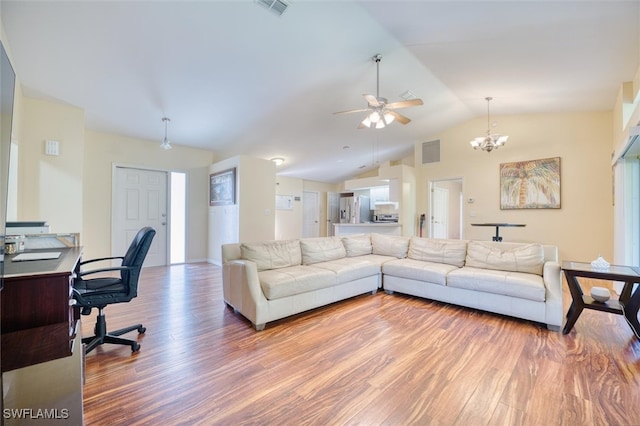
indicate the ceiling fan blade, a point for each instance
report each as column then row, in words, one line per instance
column 373, row 101
column 405, row 104
column 399, row 117
column 352, row 110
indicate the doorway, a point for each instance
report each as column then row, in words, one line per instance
column 139, row 200
column 333, row 212
column 310, row 214
column 445, row 214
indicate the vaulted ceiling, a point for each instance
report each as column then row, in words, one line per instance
column 236, row 78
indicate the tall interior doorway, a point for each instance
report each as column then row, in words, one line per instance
column 445, row 208
column 143, row 197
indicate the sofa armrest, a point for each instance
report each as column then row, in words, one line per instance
column 241, row 289
column 552, row 277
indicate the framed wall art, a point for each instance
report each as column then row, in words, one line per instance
column 533, row 184
column 222, row 188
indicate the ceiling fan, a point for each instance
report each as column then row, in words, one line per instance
column 381, row 113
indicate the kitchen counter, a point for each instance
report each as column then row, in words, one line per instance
column 364, row 228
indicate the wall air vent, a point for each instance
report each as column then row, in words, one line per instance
column 431, row 152
column 276, row 6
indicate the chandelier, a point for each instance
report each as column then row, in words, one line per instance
column 165, row 142
column 490, row 142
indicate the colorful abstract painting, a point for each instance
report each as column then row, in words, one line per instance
column 531, row 184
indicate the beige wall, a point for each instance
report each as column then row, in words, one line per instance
column 252, row 218
column 289, row 222
column 50, row 187
column 583, row 228
column 323, row 189
column 103, row 151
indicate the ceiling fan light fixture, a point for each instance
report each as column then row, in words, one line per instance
column 381, row 113
column 166, row 145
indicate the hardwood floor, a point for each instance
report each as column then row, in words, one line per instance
column 381, row 359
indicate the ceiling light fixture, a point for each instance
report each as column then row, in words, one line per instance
column 165, row 142
column 490, row 142
column 277, row 161
column 380, row 116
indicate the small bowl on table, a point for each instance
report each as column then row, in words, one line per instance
column 600, row 294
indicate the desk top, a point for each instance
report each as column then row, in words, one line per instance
column 63, row 264
column 499, row 224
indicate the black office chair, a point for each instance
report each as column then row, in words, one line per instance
column 102, row 291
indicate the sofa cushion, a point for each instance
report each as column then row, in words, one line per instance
column 419, row 270
column 452, row 252
column 357, row 245
column 390, row 245
column 321, row 249
column 527, row 258
column 272, row 254
column 283, row 282
column 377, row 259
column 515, row 284
column 349, row 269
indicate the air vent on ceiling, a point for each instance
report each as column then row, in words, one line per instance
column 431, row 152
column 408, row 95
column 276, row 6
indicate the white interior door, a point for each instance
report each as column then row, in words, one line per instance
column 333, row 212
column 446, row 204
column 139, row 200
column 439, row 212
column 310, row 214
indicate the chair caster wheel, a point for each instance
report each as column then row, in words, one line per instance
column 142, row 329
column 135, row 347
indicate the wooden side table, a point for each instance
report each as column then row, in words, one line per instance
column 627, row 304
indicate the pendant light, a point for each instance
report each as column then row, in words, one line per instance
column 165, row 142
column 489, row 142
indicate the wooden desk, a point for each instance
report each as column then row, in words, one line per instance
column 38, row 322
column 628, row 303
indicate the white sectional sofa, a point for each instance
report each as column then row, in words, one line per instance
column 267, row 281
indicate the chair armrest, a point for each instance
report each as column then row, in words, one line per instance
column 113, row 269
column 84, row 262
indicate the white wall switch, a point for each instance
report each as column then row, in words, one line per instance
column 51, row 147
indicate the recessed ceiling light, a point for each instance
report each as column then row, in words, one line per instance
column 346, row 147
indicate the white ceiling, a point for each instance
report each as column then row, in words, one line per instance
column 235, row 78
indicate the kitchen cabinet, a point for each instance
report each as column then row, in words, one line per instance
column 379, row 195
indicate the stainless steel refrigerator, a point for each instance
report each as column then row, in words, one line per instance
column 354, row 209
